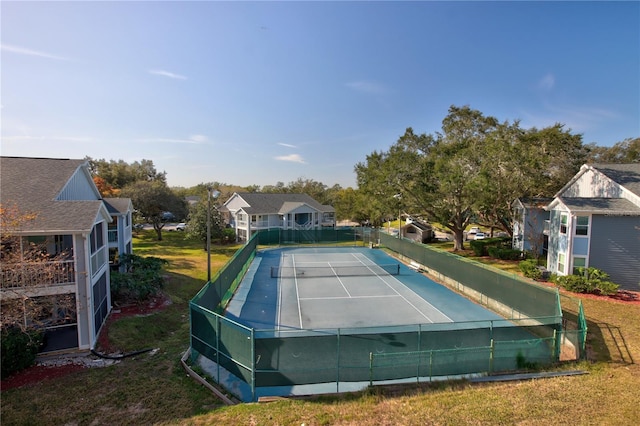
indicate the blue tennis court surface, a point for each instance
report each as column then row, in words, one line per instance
column 320, row 288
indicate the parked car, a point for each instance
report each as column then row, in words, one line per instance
column 181, row 226
column 480, row 236
column 474, row 230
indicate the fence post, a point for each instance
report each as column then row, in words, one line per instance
column 253, row 365
column 338, row 362
column 491, row 356
column 370, row 369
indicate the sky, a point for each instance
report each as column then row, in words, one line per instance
column 256, row 93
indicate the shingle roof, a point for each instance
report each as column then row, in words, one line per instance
column 33, row 184
column 117, row 205
column 610, row 206
column 277, row 203
column 627, row 175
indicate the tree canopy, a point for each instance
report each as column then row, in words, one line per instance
column 470, row 171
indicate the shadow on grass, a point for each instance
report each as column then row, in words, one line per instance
column 607, row 343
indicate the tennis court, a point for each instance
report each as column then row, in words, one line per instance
column 291, row 289
column 315, row 319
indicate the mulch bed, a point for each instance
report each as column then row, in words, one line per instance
column 38, row 373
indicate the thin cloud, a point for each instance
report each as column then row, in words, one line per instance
column 287, row 145
column 30, row 52
column 365, row 86
column 47, row 138
column 164, row 73
column 293, row 158
column 547, row 82
column 193, row 140
column 576, row 118
column 199, row 138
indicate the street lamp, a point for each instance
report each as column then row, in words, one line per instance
column 399, row 197
column 210, row 193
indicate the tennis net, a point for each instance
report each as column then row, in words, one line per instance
column 334, row 271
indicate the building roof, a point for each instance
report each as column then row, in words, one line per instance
column 533, row 202
column 33, row 184
column 605, row 206
column 627, row 175
column 278, row 203
column 118, row 205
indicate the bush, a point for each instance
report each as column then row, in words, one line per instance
column 481, row 247
column 142, row 280
column 504, row 253
column 588, row 280
column 530, row 269
column 19, row 349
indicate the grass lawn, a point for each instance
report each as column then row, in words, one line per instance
column 153, row 388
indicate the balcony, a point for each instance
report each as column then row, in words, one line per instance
column 113, row 236
column 45, row 274
column 547, row 224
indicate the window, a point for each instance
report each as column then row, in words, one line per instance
column 96, row 238
column 561, row 262
column 579, row 262
column 582, row 225
column 563, row 223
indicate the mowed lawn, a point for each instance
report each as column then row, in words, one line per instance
column 152, row 388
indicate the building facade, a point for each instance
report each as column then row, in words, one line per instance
column 72, row 228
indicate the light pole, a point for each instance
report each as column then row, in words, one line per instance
column 210, row 193
column 399, row 197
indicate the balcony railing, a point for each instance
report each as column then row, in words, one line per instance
column 113, row 235
column 547, row 224
column 42, row 274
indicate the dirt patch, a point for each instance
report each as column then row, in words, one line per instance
column 46, row 369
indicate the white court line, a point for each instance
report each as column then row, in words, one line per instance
column 350, row 297
column 339, row 280
column 397, row 280
column 295, row 279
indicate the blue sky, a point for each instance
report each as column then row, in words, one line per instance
column 255, row 93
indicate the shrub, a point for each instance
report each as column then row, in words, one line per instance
column 481, row 247
column 19, row 349
column 530, row 269
column 142, row 280
column 588, row 280
column 504, row 253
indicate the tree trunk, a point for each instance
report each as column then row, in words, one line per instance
column 458, row 239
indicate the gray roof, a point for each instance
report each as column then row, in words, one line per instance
column 118, row 205
column 627, row 175
column 32, row 184
column 607, row 206
column 278, row 203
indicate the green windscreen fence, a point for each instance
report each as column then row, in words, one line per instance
column 310, row 236
column 250, row 363
column 522, row 297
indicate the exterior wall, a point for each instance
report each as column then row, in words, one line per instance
column 83, row 297
column 79, row 187
column 558, row 243
column 615, row 249
column 593, row 184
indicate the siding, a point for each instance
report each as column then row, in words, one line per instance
column 79, row 187
column 615, row 249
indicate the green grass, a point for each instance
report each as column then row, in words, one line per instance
column 153, row 389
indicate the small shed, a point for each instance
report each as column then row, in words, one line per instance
column 419, row 231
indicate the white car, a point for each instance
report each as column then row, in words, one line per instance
column 474, row 230
column 480, row 236
column 181, row 226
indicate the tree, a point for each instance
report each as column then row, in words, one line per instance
column 197, row 221
column 118, row 174
column 151, row 199
column 440, row 176
column 627, row 151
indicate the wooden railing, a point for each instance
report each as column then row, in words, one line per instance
column 41, row 274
